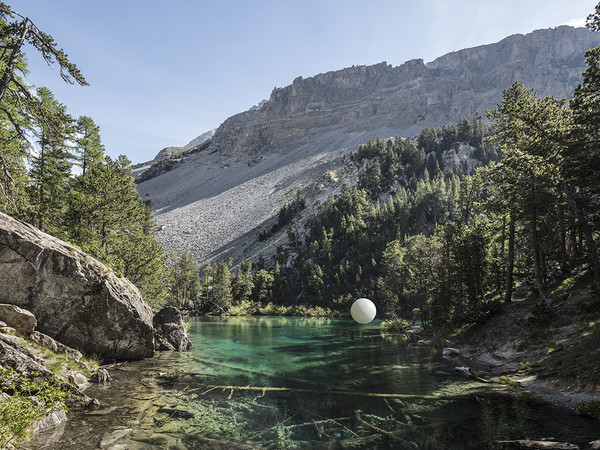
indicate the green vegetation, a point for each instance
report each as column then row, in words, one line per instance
column 520, row 393
column 24, row 401
column 98, row 209
column 454, row 243
column 285, row 217
column 591, row 408
column 60, row 363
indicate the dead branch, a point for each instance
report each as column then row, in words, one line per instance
column 263, row 389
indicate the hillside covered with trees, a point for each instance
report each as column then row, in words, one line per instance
column 447, row 246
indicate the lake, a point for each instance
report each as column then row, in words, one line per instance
column 283, row 382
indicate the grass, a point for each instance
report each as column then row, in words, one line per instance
column 29, row 400
column 522, row 394
column 60, row 363
column 591, row 408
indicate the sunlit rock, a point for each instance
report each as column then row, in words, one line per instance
column 76, row 299
column 20, row 319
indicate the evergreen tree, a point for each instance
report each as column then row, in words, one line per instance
column 186, row 287
column 89, row 145
column 529, row 130
column 51, row 168
column 109, row 220
column 20, row 110
column 222, row 296
column 242, row 284
column 582, row 155
column 13, row 173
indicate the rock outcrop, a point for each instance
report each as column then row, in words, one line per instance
column 21, row 320
column 28, row 366
column 409, row 97
column 215, row 201
column 169, row 332
column 76, row 300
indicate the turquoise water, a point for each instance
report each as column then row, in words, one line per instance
column 274, row 382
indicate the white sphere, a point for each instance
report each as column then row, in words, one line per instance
column 363, row 310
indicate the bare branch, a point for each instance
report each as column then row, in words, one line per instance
column 15, row 124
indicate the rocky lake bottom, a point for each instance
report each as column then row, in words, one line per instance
column 275, row 382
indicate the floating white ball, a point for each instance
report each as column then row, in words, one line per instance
column 363, row 310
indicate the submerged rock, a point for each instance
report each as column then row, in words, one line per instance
column 449, row 351
column 538, row 444
column 110, row 438
column 176, row 413
column 101, row 377
column 76, row 299
column 169, row 331
column 464, row 371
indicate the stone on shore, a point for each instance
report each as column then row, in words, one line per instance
column 169, row 331
column 21, row 320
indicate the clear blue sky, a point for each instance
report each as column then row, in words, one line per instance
column 162, row 73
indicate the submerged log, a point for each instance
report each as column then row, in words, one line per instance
column 541, row 444
column 264, row 389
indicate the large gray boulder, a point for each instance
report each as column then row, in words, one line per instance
column 76, row 300
column 169, row 331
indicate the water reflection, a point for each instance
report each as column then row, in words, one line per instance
column 305, row 383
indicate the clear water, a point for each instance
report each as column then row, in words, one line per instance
column 320, row 375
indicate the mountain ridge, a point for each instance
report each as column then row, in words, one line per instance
column 259, row 156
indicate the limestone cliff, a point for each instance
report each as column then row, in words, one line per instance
column 412, row 96
column 213, row 202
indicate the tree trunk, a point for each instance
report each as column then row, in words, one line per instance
column 562, row 236
column 537, row 263
column 502, row 245
column 510, row 263
column 587, row 232
column 8, row 74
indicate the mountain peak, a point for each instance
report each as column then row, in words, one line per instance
column 221, row 194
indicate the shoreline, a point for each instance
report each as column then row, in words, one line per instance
column 555, row 391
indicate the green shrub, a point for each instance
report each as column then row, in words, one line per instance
column 520, row 393
column 24, row 402
column 525, row 367
column 395, row 325
column 591, row 408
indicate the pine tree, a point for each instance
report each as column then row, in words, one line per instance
column 529, row 131
column 242, row 284
column 582, row 155
column 21, row 111
column 108, row 219
column 186, row 287
column 89, row 145
column 51, row 168
column 222, row 296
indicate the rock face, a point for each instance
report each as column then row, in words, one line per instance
column 26, row 365
column 76, row 300
column 55, row 346
column 21, row 320
column 412, row 96
column 216, row 199
column 169, row 331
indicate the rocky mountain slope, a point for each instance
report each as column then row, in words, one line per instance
column 213, row 201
